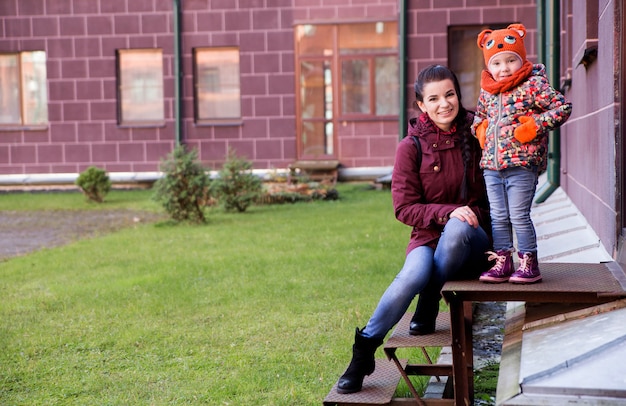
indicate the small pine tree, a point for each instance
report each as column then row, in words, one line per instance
column 236, row 186
column 94, row 183
column 184, row 187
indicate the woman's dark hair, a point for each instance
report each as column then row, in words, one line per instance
column 437, row 73
column 434, row 73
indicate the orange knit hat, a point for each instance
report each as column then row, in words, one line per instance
column 509, row 39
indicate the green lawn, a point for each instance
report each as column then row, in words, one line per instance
column 254, row 308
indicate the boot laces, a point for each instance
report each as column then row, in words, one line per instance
column 525, row 264
column 500, row 260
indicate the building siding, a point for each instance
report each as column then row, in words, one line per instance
column 590, row 139
column 81, row 38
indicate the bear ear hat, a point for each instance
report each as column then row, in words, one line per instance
column 484, row 34
column 483, row 37
column 521, row 30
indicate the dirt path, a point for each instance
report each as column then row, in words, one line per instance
column 22, row 232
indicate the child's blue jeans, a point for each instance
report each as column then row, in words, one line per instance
column 510, row 192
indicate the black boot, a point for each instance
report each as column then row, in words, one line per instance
column 425, row 317
column 362, row 363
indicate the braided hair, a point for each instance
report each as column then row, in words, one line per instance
column 437, row 73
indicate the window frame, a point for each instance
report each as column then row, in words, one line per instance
column 217, row 120
column 21, row 84
column 371, row 64
column 122, row 97
column 329, row 49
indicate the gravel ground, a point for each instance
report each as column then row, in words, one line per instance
column 488, row 329
column 22, row 232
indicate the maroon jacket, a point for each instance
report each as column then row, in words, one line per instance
column 425, row 199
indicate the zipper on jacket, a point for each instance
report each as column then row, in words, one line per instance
column 496, row 135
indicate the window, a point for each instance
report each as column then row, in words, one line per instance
column 216, row 85
column 369, row 69
column 140, row 87
column 345, row 72
column 23, row 89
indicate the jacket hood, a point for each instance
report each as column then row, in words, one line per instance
column 423, row 125
column 539, row 70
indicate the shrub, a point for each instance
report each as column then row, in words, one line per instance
column 236, row 187
column 94, row 183
column 184, row 187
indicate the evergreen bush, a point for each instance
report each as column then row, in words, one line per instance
column 236, row 187
column 94, row 183
column 184, row 188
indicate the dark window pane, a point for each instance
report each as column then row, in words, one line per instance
column 387, row 86
column 355, row 86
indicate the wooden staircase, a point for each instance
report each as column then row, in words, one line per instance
column 379, row 388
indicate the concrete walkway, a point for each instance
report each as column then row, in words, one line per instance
column 569, row 358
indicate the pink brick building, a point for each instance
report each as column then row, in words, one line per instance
column 283, row 111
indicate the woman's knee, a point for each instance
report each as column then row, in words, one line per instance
column 460, row 238
column 456, row 232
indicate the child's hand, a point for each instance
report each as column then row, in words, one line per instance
column 481, row 133
column 527, row 131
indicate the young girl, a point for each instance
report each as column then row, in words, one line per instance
column 439, row 191
column 516, row 109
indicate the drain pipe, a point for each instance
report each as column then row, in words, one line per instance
column 552, row 27
column 177, row 74
column 402, row 44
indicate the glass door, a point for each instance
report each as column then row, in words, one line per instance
column 316, row 109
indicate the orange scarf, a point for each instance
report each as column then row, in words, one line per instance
column 488, row 83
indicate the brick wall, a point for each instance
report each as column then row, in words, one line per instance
column 428, row 22
column 81, row 37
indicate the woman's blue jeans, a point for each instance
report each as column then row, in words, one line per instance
column 510, row 192
column 460, row 254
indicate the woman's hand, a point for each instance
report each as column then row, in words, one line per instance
column 465, row 214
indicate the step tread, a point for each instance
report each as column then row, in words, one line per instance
column 378, row 388
column 400, row 338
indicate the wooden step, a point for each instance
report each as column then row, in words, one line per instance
column 442, row 337
column 400, row 338
column 378, row 388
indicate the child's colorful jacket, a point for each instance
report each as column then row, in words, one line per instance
column 510, row 138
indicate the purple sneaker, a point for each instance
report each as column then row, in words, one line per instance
column 528, row 271
column 501, row 270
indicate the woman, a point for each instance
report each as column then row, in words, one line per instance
column 444, row 200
